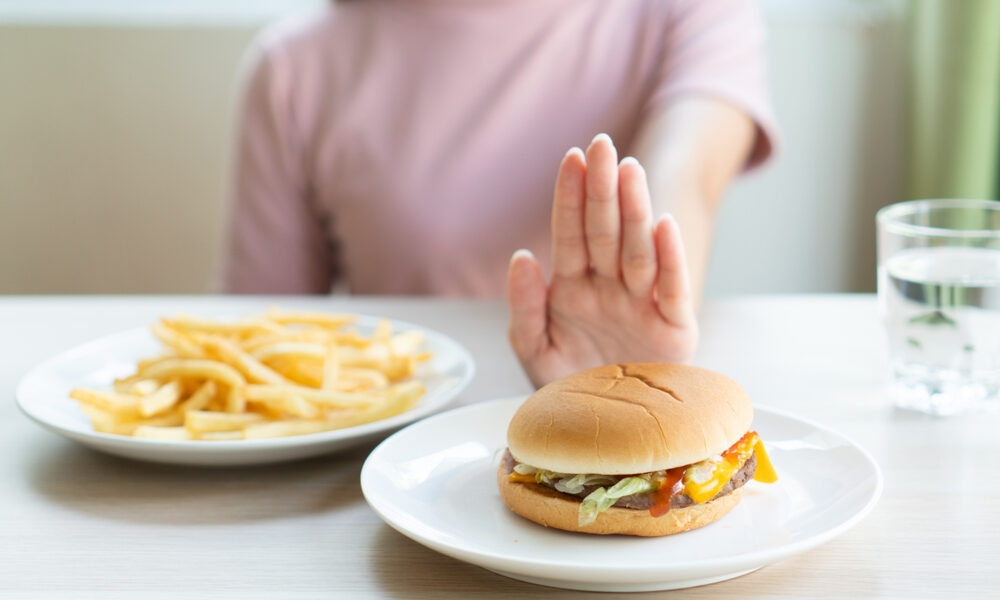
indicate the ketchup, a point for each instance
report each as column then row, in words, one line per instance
column 673, row 483
column 670, row 487
column 732, row 453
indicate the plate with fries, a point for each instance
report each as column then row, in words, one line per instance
column 267, row 388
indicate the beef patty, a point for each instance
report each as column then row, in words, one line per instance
column 644, row 501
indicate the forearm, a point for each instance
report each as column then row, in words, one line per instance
column 691, row 151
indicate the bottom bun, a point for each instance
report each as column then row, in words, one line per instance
column 550, row 508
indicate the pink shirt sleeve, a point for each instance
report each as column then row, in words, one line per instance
column 716, row 48
column 275, row 242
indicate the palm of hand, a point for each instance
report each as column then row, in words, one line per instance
column 619, row 292
column 591, row 324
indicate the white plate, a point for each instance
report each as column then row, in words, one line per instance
column 435, row 482
column 43, row 395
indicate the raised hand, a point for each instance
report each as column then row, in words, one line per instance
column 619, row 291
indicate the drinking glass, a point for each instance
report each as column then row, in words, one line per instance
column 939, row 296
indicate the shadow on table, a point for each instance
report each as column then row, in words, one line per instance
column 125, row 490
column 402, row 567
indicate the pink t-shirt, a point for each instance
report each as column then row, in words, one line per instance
column 410, row 146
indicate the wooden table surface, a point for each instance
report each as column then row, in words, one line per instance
column 76, row 523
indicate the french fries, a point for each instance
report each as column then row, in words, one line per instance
column 161, row 400
column 278, row 374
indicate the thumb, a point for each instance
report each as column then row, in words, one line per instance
column 526, row 297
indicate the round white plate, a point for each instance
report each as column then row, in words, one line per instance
column 43, row 395
column 435, row 482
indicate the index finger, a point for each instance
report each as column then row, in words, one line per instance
column 569, row 245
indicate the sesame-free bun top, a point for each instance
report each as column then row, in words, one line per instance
column 630, row 418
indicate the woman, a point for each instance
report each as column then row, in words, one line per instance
column 408, row 147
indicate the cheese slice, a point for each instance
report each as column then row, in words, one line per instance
column 703, row 480
column 765, row 472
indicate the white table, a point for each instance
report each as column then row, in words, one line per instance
column 73, row 521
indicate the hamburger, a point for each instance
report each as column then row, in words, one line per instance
column 642, row 449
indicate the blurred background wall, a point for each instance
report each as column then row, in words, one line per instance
column 116, row 121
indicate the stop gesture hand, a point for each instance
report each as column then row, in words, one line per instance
column 619, row 290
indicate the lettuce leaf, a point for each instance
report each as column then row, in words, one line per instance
column 602, row 499
column 524, row 469
column 577, row 483
column 629, row 486
column 564, row 482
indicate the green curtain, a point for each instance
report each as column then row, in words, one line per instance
column 955, row 99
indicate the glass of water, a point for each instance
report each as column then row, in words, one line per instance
column 939, row 295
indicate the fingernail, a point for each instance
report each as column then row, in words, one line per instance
column 574, row 150
column 629, row 160
column 521, row 253
column 600, row 136
column 665, row 217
